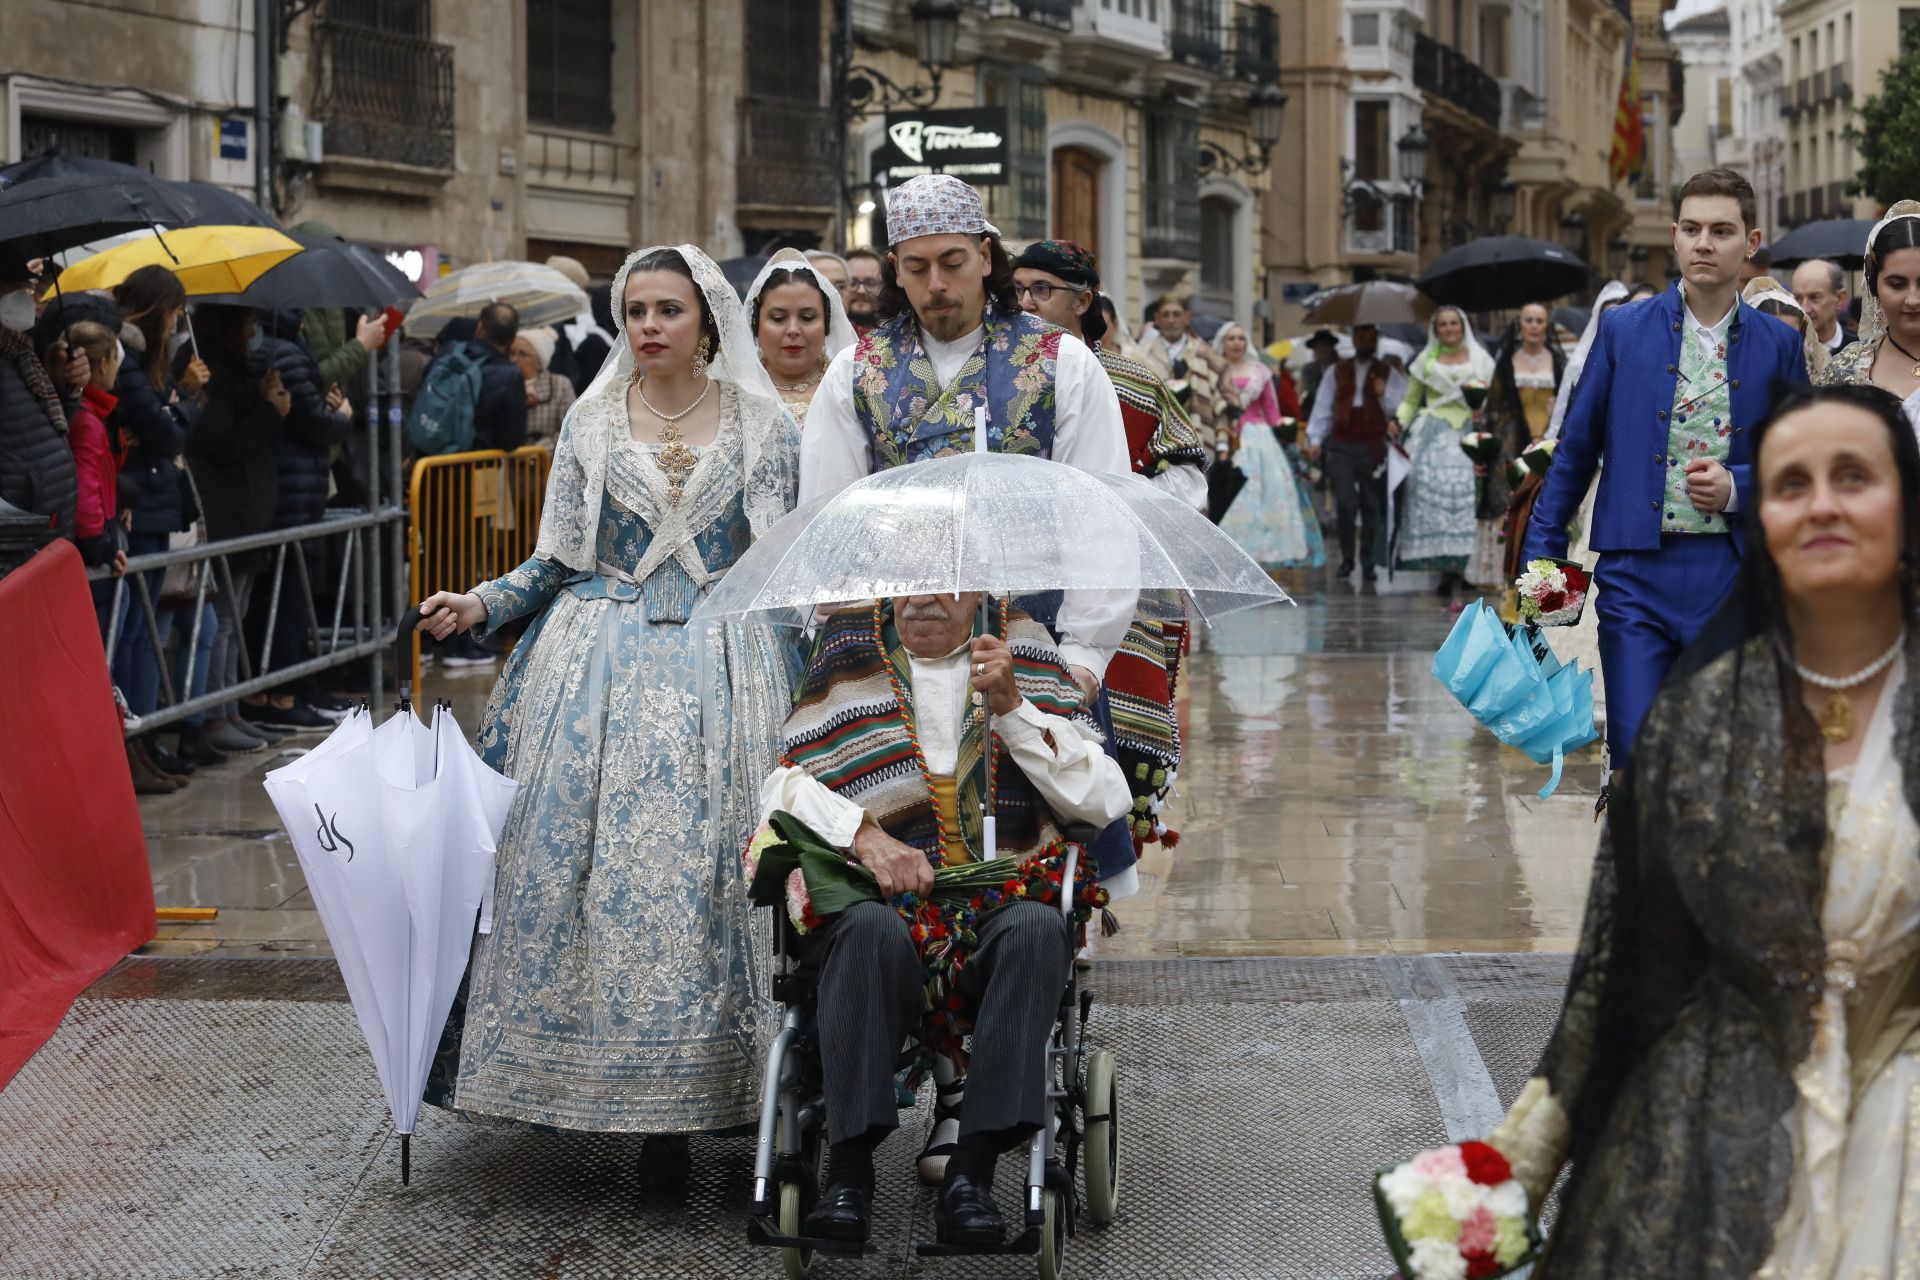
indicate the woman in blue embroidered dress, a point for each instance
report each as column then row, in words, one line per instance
column 614, row 992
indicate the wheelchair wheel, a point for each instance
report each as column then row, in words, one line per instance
column 796, row 1201
column 1054, row 1232
column 1102, row 1152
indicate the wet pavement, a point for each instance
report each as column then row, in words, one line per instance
column 1318, row 981
column 1333, row 801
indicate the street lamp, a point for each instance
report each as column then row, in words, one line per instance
column 1264, row 110
column 1500, row 204
column 1413, row 146
column 936, row 32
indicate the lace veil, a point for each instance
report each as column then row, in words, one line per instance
column 839, row 328
column 571, row 519
column 1767, row 289
column 1478, row 361
column 1873, row 320
column 1612, row 291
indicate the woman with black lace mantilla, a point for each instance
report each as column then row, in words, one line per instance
column 1735, row 1077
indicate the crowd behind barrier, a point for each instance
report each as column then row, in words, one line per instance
column 235, row 482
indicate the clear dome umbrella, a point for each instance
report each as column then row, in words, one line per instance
column 1000, row 524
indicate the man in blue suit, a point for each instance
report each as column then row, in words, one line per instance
column 1669, row 400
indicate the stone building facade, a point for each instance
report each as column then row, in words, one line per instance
column 1833, row 54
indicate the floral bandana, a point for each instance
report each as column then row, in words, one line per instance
column 935, row 204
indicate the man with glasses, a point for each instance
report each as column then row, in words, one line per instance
column 863, row 288
column 1059, row 281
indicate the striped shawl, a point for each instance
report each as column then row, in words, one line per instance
column 849, row 730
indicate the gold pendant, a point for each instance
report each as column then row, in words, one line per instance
column 1836, row 722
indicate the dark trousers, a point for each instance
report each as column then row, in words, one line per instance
column 870, row 985
column 1357, row 491
column 1652, row 605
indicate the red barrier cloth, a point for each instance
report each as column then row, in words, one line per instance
column 76, row 893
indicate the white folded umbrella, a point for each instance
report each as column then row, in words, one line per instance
column 396, row 830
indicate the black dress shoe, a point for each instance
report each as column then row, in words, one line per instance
column 1346, row 567
column 843, row 1212
column 965, row 1214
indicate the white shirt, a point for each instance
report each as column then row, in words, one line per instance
column 1839, row 336
column 1320, row 425
column 1076, row 778
column 1088, row 433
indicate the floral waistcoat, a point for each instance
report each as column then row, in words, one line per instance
column 909, row 418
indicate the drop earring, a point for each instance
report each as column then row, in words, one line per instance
column 700, row 357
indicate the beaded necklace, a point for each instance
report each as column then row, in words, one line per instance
column 905, row 703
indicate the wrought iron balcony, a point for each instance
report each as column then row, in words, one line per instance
column 1452, row 77
column 1256, row 43
column 781, row 162
column 1837, row 83
column 1819, row 87
column 1052, row 13
column 1196, row 33
column 385, row 96
column 1171, row 212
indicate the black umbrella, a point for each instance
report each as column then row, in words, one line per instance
column 328, row 272
column 1838, row 240
column 54, row 202
column 219, row 207
column 1495, row 273
column 1572, row 319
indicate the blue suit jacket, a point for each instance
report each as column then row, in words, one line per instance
column 1621, row 413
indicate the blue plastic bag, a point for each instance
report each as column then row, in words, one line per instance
column 1510, row 681
column 1476, row 644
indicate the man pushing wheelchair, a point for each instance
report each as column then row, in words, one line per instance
column 889, row 749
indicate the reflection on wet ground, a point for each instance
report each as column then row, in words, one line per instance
column 1333, row 800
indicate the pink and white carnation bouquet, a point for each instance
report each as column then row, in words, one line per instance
column 1456, row 1213
column 1553, row 593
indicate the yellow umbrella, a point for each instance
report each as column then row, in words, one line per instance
column 208, row 260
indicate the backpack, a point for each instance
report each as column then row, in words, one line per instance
column 443, row 411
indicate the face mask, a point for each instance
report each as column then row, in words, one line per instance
column 16, row 310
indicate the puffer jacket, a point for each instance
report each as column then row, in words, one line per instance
column 500, row 419
column 36, row 466
column 153, row 421
column 230, row 447
column 303, row 452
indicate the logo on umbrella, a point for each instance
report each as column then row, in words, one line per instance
column 329, row 834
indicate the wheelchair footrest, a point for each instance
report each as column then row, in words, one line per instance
column 758, row 1232
column 1027, row 1242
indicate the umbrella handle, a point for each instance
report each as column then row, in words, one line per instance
column 409, row 621
column 406, row 1158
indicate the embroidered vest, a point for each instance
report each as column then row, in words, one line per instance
column 1364, row 423
column 1701, row 427
column 909, row 417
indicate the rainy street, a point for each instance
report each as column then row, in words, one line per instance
column 1354, row 952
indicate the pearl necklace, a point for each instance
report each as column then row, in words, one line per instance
column 1837, row 722
column 640, row 390
column 798, row 386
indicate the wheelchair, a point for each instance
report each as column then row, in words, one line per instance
column 1080, row 1143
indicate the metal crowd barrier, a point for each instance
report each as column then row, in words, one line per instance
column 475, row 516
column 365, row 601
column 353, row 628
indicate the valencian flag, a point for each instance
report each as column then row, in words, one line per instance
column 1629, row 137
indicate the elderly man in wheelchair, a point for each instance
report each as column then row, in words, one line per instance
column 888, row 760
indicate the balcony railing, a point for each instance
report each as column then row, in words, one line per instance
column 1837, row 83
column 1172, row 216
column 1452, row 77
column 1053, row 13
column 385, row 96
column 1819, row 87
column 1802, row 97
column 1256, row 43
column 1196, row 33
column 781, row 162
